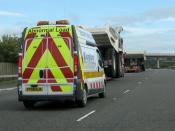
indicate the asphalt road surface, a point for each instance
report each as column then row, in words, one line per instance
column 138, row 102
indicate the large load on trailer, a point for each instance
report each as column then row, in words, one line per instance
column 110, row 44
column 134, row 61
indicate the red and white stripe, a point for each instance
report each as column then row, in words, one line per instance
column 96, row 84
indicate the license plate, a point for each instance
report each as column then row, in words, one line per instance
column 34, row 89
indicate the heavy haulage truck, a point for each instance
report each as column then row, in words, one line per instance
column 110, row 44
column 135, row 61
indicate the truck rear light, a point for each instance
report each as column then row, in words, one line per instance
column 20, row 65
column 75, row 64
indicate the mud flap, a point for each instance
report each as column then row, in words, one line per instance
column 78, row 90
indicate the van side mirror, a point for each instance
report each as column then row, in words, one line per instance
column 100, row 63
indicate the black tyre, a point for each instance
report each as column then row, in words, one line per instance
column 83, row 101
column 107, row 66
column 114, row 64
column 119, row 67
column 29, row 104
column 123, row 72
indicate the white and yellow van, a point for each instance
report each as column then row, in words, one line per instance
column 59, row 62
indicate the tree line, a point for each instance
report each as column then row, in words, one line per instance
column 9, row 49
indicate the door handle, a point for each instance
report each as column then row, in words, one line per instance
column 41, row 73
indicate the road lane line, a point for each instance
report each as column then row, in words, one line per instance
column 83, row 117
column 114, row 99
column 139, row 82
column 8, row 89
column 126, row 91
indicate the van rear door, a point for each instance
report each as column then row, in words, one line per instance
column 48, row 61
column 60, row 62
column 34, row 63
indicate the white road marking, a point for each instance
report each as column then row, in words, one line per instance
column 139, row 82
column 126, row 91
column 8, row 89
column 114, row 99
column 81, row 118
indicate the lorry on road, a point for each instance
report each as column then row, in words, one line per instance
column 110, row 44
column 135, row 61
column 59, row 62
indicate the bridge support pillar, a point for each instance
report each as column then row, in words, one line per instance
column 158, row 63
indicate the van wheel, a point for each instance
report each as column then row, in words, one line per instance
column 83, row 101
column 29, row 104
column 103, row 94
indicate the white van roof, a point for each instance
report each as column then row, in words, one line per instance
column 86, row 36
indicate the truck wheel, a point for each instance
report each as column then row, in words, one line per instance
column 123, row 72
column 29, row 104
column 118, row 66
column 107, row 65
column 103, row 94
column 83, row 101
column 114, row 64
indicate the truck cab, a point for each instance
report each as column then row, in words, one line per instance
column 135, row 61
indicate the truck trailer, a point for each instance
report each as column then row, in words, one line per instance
column 110, row 44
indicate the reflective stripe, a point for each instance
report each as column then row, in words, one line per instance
column 93, row 74
column 56, row 88
column 35, row 74
column 66, row 88
column 34, row 42
column 29, row 36
column 57, row 73
column 96, row 84
column 54, row 72
column 56, row 61
column 64, row 50
column 34, row 62
column 60, row 61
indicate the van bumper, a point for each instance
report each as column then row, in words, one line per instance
column 46, row 97
column 76, row 95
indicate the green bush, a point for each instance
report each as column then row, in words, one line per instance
column 9, row 49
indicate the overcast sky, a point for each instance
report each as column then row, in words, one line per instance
column 148, row 24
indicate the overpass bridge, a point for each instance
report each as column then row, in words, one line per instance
column 158, row 57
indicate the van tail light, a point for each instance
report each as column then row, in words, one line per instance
column 75, row 64
column 20, row 65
